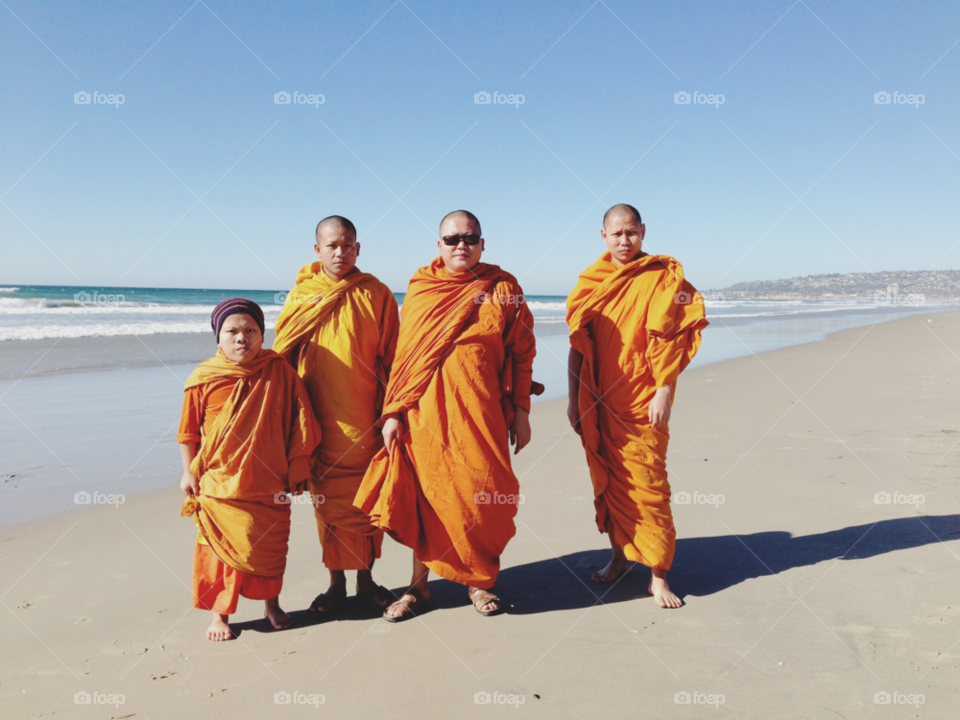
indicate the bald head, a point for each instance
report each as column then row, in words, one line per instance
column 336, row 222
column 460, row 215
column 622, row 210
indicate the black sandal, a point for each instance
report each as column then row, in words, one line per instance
column 378, row 596
column 327, row 603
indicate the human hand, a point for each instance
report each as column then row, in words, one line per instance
column 189, row 484
column 520, row 429
column 391, row 432
column 659, row 411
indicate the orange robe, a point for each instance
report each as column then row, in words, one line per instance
column 341, row 337
column 256, row 432
column 464, row 362
column 637, row 327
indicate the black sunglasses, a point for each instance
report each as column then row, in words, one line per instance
column 454, row 240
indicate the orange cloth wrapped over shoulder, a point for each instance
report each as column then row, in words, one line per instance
column 637, row 327
column 260, row 446
column 464, row 362
column 341, row 336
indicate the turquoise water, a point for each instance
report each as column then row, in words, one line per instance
column 738, row 327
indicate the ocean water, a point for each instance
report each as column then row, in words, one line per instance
column 738, row 327
column 53, row 427
column 37, row 312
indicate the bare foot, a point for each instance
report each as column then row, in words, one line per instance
column 275, row 614
column 661, row 591
column 219, row 629
column 615, row 569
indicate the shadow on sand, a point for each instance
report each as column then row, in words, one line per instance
column 702, row 566
column 708, row 565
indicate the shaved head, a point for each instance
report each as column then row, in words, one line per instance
column 466, row 214
column 336, row 221
column 622, row 209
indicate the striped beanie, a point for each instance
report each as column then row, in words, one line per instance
column 232, row 307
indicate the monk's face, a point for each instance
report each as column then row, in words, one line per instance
column 240, row 338
column 623, row 236
column 338, row 250
column 461, row 257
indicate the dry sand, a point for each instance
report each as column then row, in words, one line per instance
column 804, row 597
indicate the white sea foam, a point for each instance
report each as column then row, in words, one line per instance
column 5, row 289
column 558, row 307
column 40, row 318
column 43, row 332
column 43, row 306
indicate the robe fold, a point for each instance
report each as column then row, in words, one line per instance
column 258, row 445
column 637, row 327
column 464, row 362
column 341, row 337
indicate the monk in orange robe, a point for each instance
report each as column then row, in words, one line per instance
column 635, row 324
column 247, row 435
column 458, row 396
column 339, row 329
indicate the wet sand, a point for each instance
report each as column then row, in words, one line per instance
column 805, row 596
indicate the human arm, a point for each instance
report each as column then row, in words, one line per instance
column 520, row 432
column 574, row 363
column 521, row 348
column 188, row 482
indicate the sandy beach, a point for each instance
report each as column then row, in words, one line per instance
column 817, row 504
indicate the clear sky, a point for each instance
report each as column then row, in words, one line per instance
column 199, row 179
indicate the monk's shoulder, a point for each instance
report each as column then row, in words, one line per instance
column 508, row 282
column 600, row 267
column 378, row 290
column 660, row 269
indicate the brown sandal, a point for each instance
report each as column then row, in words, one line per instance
column 486, row 598
column 422, row 606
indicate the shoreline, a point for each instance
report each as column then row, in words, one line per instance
column 100, row 599
column 61, row 356
column 164, row 383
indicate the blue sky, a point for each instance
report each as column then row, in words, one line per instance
column 798, row 172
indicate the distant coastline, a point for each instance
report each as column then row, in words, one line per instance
column 904, row 287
